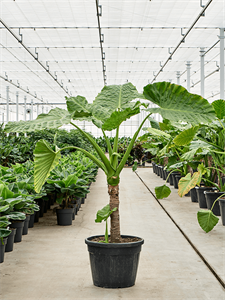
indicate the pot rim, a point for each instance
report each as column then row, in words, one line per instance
column 213, row 192
column 89, row 242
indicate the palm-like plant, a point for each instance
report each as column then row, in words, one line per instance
column 111, row 107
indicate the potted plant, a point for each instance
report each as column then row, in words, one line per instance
column 111, row 107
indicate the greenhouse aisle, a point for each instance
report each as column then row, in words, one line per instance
column 52, row 262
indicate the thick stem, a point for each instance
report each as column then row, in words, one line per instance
column 115, row 218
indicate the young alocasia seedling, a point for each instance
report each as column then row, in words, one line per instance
column 102, row 215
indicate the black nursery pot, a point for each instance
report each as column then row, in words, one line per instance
column 114, row 265
column 36, row 216
column 177, row 179
column 222, row 209
column 2, row 249
column 193, row 195
column 211, row 196
column 19, row 230
column 174, row 179
column 64, row 216
column 201, row 196
column 31, row 222
column 26, row 224
column 10, row 241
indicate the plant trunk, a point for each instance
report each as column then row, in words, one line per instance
column 115, row 218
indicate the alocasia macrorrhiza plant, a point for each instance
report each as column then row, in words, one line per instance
column 111, row 107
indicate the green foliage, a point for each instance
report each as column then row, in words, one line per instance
column 187, row 183
column 186, row 136
column 103, row 215
column 219, row 107
column 207, row 220
column 177, row 104
column 162, row 191
column 54, row 119
column 45, row 161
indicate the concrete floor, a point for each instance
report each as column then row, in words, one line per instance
column 52, row 261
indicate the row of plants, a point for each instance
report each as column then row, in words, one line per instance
column 19, row 149
column 113, row 105
column 195, row 157
column 21, row 205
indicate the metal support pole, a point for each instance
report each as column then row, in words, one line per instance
column 32, row 109
column 17, row 110
column 178, row 77
column 37, row 110
column 7, row 107
column 222, row 63
column 202, row 57
column 25, row 108
column 188, row 75
column 3, row 118
column 42, row 109
column 46, row 110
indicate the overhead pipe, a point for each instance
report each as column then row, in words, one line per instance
column 183, row 38
column 35, row 56
column 101, row 40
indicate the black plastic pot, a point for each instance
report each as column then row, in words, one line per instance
column 164, row 174
column 36, row 216
column 46, row 205
column 41, row 203
column 193, row 194
column 26, row 224
column 114, row 265
column 82, row 200
column 64, row 216
column 211, row 196
column 201, row 196
column 174, row 179
column 170, row 179
column 153, row 167
column 161, row 171
column 10, row 241
column 19, row 230
column 222, row 210
column 177, row 179
column 2, row 249
column 31, row 222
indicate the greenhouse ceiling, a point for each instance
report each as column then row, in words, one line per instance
column 52, row 49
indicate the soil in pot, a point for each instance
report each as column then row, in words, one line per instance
column 114, row 265
column 10, row 241
column 26, row 224
column 2, row 249
column 19, row 230
column 64, row 216
column 201, row 196
column 211, row 196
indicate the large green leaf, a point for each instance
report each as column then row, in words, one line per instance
column 219, row 107
column 16, row 215
column 187, row 183
column 45, row 161
column 79, row 108
column 154, row 123
column 186, row 136
column 4, row 232
column 162, row 191
column 160, row 133
column 117, row 97
column 207, row 220
column 104, row 213
column 54, row 119
column 177, row 104
column 117, row 117
column 5, row 193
